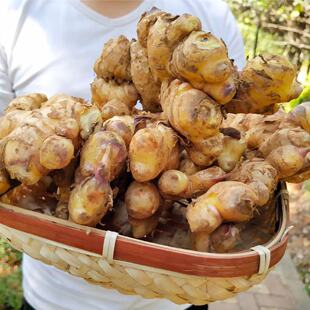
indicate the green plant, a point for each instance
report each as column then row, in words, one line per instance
column 10, row 277
column 278, row 27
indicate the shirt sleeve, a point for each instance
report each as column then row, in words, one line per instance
column 6, row 91
column 233, row 39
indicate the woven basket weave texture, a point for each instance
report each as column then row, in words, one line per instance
column 129, row 278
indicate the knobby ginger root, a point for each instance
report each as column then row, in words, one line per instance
column 265, row 80
column 11, row 120
column 236, row 200
column 112, row 90
column 142, row 200
column 153, row 150
column 231, row 153
column 201, row 241
column 190, row 111
column 254, row 128
column 184, row 74
column 229, row 200
column 163, row 37
column 46, row 138
column 299, row 117
column 202, row 60
column 47, row 154
column 197, row 117
column 187, row 166
column 18, row 109
column 143, row 227
column 103, row 158
column 261, row 131
column 225, row 238
column 282, row 139
column 205, row 152
column 114, row 62
column 146, row 21
column 253, row 184
column 203, row 216
column 90, row 201
column 287, row 150
column 114, row 107
column 143, row 78
column 176, row 184
column 103, row 92
column 260, row 175
column 27, row 103
column 285, row 136
column 177, row 48
column 122, row 125
column 288, row 160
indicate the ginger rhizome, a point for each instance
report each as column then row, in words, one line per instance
column 142, row 200
column 103, row 158
column 112, row 90
column 177, row 48
column 153, row 150
column 44, row 139
column 198, row 161
column 265, row 80
column 176, row 184
column 187, row 166
column 143, row 79
column 249, row 186
column 122, row 125
column 229, row 200
column 196, row 117
column 282, row 139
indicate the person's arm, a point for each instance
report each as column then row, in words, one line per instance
column 6, row 91
column 233, row 39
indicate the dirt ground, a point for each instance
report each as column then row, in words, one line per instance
column 299, row 241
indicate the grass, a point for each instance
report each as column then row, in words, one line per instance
column 10, row 277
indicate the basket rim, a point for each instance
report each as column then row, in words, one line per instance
column 141, row 252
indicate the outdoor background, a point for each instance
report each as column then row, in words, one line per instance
column 274, row 26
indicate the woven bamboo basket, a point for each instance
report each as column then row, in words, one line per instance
column 138, row 267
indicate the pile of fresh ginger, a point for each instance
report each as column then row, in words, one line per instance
column 196, row 168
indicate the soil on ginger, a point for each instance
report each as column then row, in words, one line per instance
column 299, row 241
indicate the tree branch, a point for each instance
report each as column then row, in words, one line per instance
column 285, row 28
column 300, row 46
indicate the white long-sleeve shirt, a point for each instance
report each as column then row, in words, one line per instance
column 50, row 46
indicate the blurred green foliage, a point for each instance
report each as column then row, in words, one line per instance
column 303, row 97
column 10, row 277
column 278, row 27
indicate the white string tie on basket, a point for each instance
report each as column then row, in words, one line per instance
column 109, row 245
column 264, row 258
column 287, row 230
